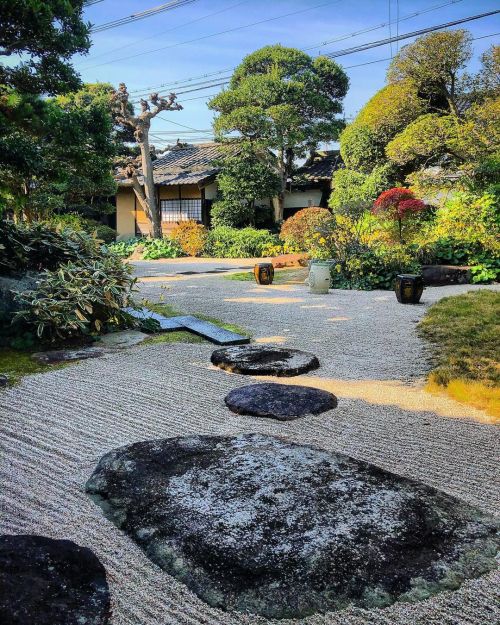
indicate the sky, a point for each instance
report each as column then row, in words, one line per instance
column 184, row 44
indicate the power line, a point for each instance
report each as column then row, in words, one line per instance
column 163, row 32
column 415, row 33
column 312, row 47
column 174, row 4
column 222, row 32
column 216, row 84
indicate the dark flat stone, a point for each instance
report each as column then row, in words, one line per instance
column 51, row 582
column 4, row 380
column 279, row 401
column 258, row 524
column 167, row 324
column 264, row 360
column 205, row 329
column 210, row 331
column 67, row 355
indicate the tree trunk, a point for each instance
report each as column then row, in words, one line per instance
column 279, row 200
column 146, row 193
column 153, row 212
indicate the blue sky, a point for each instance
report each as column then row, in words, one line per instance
column 313, row 22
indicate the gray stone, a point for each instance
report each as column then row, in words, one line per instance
column 57, row 356
column 211, row 332
column 257, row 524
column 4, row 380
column 51, row 582
column 122, row 339
column 9, row 285
column 166, row 324
column 439, row 275
column 264, row 360
column 284, row 402
column 205, row 329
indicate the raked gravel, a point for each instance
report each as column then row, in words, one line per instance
column 56, row 426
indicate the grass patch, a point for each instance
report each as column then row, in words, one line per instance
column 183, row 336
column 464, row 330
column 16, row 364
column 294, row 275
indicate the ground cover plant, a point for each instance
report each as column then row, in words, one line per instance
column 464, row 331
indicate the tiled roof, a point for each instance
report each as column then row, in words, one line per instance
column 320, row 166
column 186, row 164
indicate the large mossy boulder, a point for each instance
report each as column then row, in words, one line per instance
column 261, row 525
column 51, row 582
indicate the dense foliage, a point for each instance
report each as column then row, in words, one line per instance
column 55, row 155
column 284, row 100
column 300, row 231
column 224, row 242
column 433, row 128
column 69, row 284
column 191, row 237
column 43, row 36
column 76, row 299
column 245, row 177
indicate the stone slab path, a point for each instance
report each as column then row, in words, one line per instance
column 56, row 426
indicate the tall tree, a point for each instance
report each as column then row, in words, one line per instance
column 284, row 100
column 54, row 156
column 245, row 177
column 44, row 35
column 433, row 63
column 140, row 125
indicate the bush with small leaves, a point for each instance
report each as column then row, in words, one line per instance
column 191, row 236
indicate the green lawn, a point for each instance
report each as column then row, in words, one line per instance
column 16, row 364
column 464, row 331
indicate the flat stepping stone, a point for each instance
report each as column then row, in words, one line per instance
column 167, row 324
column 284, row 402
column 4, row 380
column 265, row 526
column 205, row 329
column 264, row 360
column 67, row 355
column 122, row 339
column 51, row 582
column 211, row 332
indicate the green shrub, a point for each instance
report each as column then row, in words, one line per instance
column 224, row 242
column 78, row 298
column 373, row 268
column 190, row 236
column 37, row 246
column 301, row 231
column 105, row 233
column 161, row 248
column 231, row 212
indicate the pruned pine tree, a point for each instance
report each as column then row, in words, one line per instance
column 141, row 124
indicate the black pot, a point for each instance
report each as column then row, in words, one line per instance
column 264, row 273
column 409, row 288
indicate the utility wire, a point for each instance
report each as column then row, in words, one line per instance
column 226, row 82
column 415, row 33
column 222, row 32
column 312, row 47
column 174, row 4
column 163, row 32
